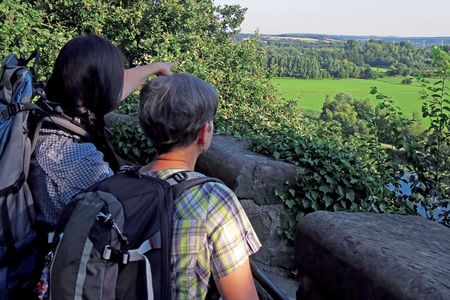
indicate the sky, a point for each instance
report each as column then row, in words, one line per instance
column 347, row 17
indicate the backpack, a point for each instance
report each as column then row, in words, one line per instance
column 18, row 135
column 114, row 239
column 17, row 238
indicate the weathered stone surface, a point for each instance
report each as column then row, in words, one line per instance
column 373, row 256
column 261, row 223
column 265, row 219
column 248, row 174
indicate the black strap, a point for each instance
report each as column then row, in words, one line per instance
column 12, row 109
column 15, row 187
column 186, row 184
column 182, row 179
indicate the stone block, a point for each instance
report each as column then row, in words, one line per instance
column 249, row 175
column 373, row 256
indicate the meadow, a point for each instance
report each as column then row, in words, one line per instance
column 311, row 93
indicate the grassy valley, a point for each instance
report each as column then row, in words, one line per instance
column 311, row 93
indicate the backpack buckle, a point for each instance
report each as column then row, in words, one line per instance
column 115, row 255
column 15, row 108
column 11, row 110
column 180, row 177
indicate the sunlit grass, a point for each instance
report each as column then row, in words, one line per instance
column 312, row 93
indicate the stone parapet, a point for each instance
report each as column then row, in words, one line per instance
column 249, row 175
column 372, row 256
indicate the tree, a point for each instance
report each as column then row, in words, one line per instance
column 343, row 110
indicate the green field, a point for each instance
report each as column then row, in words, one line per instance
column 312, row 92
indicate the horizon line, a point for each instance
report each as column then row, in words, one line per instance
column 353, row 35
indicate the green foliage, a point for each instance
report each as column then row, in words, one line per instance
column 333, row 174
column 429, row 156
column 351, row 59
column 389, row 123
column 351, row 114
column 407, row 80
column 25, row 27
column 131, row 143
column 425, row 157
column 195, row 32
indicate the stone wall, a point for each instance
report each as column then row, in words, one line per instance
column 372, row 256
column 254, row 178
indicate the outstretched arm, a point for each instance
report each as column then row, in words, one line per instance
column 239, row 284
column 135, row 77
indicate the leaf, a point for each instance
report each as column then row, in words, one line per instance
column 337, row 207
column 325, row 188
column 330, row 179
column 315, row 206
column 328, row 200
column 292, row 192
column 276, row 154
column 340, row 190
column 299, row 216
column 306, row 203
column 290, row 203
column 350, row 195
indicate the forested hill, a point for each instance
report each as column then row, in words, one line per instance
column 327, row 39
column 348, row 59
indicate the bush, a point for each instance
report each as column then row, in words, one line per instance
column 407, row 80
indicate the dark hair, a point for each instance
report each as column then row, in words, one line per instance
column 173, row 109
column 87, row 82
column 87, row 79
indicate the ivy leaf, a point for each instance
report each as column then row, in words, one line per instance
column 290, row 203
column 328, row 200
column 306, row 203
column 350, row 195
column 325, row 188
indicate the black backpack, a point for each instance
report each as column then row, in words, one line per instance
column 114, row 239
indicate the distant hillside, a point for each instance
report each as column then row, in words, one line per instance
column 327, row 39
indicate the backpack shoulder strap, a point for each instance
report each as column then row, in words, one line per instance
column 59, row 121
column 182, row 181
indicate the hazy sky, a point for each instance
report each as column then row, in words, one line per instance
column 353, row 17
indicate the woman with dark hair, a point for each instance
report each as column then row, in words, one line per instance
column 89, row 80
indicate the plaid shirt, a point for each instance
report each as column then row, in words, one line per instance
column 62, row 166
column 211, row 236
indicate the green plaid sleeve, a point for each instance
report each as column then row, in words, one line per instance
column 230, row 234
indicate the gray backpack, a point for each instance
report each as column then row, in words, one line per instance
column 18, row 237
